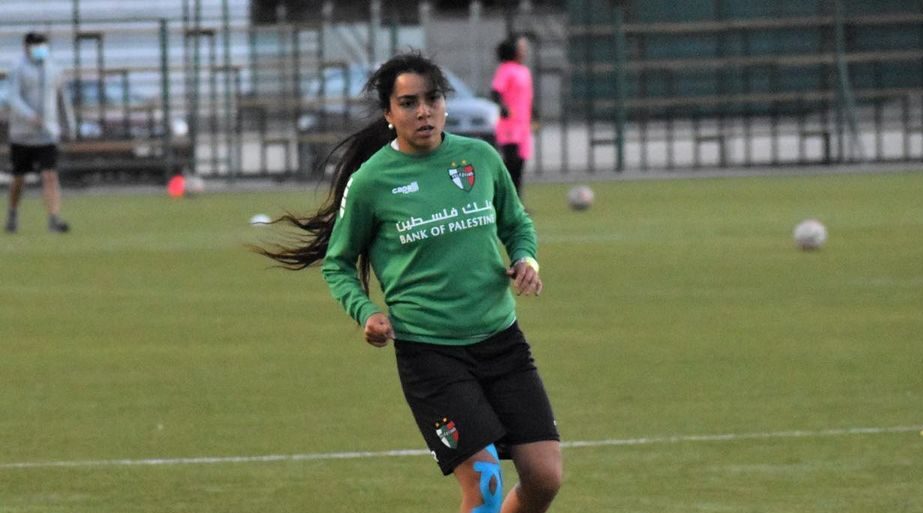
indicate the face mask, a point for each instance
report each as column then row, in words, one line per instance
column 38, row 52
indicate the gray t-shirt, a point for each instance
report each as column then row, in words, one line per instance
column 35, row 89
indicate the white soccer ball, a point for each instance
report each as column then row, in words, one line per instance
column 195, row 185
column 260, row 220
column 810, row 234
column 580, row 197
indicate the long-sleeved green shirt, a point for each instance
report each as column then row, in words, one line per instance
column 432, row 225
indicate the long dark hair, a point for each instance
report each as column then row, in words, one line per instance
column 310, row 247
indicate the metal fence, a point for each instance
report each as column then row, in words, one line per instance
column 842, row 83
column 219, row 97
column 216, row 97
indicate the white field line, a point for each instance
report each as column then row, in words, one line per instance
column 212, row 460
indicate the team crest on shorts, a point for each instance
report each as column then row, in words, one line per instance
column 447, row 433
column 462, row 175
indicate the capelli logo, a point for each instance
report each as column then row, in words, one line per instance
column 406, row 189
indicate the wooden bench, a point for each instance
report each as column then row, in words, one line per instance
column 106, row 160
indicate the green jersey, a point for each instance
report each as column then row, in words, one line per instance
column 432, row 225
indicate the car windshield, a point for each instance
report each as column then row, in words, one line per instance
column 461, row 88
column 334, row 85
column 89, row 93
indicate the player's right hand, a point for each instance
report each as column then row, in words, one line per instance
column 378, row 330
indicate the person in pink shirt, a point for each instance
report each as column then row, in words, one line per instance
column 511, row 88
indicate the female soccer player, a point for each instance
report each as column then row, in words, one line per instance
column 511, row 88
column 423, row 210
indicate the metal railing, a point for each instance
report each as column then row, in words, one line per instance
column 221, row 98
column 728, row 93
column 212, row 97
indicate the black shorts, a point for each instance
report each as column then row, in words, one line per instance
column 31, row 159
column 466, row 397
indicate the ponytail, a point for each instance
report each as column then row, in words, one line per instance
column 310, row 247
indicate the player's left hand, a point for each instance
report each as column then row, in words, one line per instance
column 525, row 279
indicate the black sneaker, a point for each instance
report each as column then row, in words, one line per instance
column 10, row 226
column 58, row 226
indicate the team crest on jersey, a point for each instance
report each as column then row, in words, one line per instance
column 447, row 432
column 462, row 175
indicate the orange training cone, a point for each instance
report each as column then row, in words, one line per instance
column 176, row 186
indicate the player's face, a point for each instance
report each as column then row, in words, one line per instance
column 417, row 111
column 37, row 51
column 522, row 49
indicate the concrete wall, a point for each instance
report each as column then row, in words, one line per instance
column 466, row 42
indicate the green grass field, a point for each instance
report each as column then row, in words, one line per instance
column 673, row 312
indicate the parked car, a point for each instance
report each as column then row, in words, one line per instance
column 470, row 114
column 110, row 109
column 121, row 135
column 335, row 104
column 119, row 138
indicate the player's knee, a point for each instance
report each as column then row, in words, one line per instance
column 491, row 483
column 542, row 484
